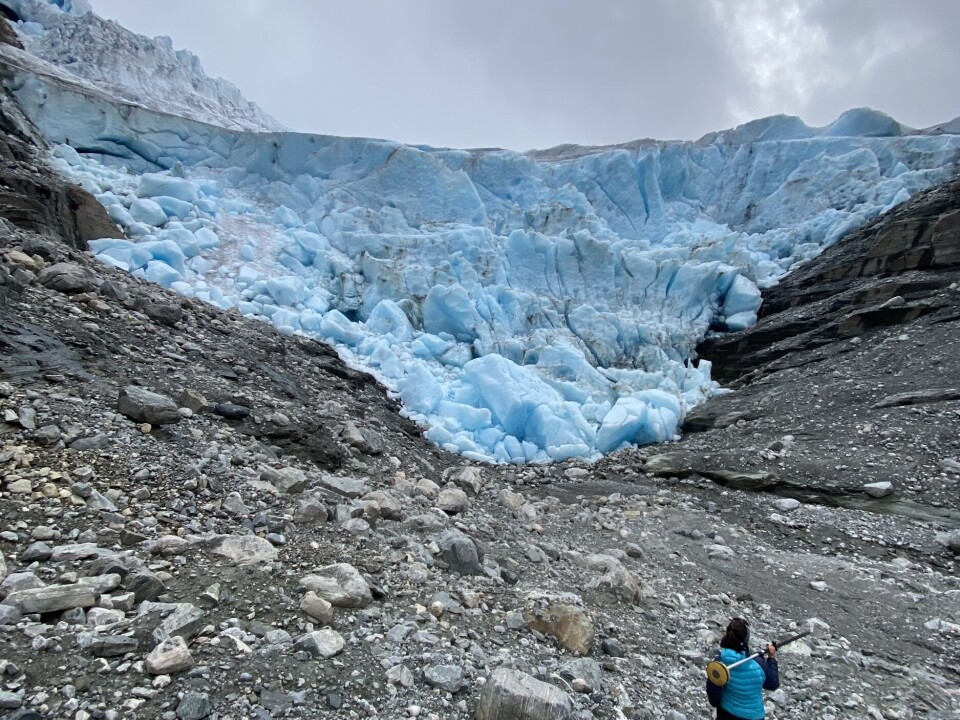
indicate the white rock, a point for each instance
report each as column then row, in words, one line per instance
column 878, row 489
column 169, row 657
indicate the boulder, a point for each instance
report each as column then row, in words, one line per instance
column 169, row 657
column 143, row 406
column 452, row 500
column 445, row 677
column 317, row 608
column 67, row 278
column 341, row 585
column 244, row 549
column 569, row 624
column 53, row 598
column 460, row 552
column 323, row 643
column 288, row 480
column 514, row 695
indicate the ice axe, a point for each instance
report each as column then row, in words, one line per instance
column 719, row 674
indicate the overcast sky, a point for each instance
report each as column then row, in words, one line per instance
column 528, row 74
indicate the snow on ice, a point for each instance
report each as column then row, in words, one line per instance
column 524, row 307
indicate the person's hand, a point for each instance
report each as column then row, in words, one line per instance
column 772, row 651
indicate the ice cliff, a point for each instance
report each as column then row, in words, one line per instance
column 131, row 67
column 524, row 307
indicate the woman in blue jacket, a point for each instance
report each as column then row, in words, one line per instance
column 742, row 697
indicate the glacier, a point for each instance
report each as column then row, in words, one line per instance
column 524, row 307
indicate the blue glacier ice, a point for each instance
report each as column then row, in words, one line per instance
column 525, row 307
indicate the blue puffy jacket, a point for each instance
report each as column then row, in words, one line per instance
column 742, row 696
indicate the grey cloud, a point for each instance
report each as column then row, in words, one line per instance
column 542, row 72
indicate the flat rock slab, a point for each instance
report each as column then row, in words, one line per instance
column 346, row 486
column 514, row 695
column 919, row 397
column 53, row 598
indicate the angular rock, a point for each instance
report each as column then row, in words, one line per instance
column 323, row 643
column 586, row 669
column 341, row 585
column 346, row 486
column 143, row 406
column 244, row 549
column 113, row 645
column 68, row 278
column 445, row 677
column 514, row 695
column 180, row 619
column 53, row 598
column 452, row 500
column 37, row 551
column 468, row 479
column 194, row 706
column 317, row 608
column 169, row 657
column 460, row 552
column 79, row 551
column 621, row 583
column 20, row 581
column 569, row 624
column 47, row 436
column 163, row 313
column 287, row 480
column 366, row 440
column 878, row 489
column 193, row 400
column 144, row 585
column 310, row 511
column 9, row 615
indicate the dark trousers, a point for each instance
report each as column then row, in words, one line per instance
column 724, row 715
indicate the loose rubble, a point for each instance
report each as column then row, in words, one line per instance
column 202, row 517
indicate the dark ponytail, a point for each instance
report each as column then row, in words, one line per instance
column 737, row 636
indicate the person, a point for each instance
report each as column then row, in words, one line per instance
column 742, row 697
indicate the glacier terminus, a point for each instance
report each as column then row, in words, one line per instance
column 524, row 307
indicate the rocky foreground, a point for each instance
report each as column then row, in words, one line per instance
column 204, row 518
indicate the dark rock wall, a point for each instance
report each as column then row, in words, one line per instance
column 889, row 272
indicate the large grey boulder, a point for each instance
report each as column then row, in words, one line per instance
column 143, row 406
column 460, row 553
column 288, row 480
column 513, row 695
column 341, row 585
column 53, row 598
column 67, row 278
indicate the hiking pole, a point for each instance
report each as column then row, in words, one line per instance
column 719, row 674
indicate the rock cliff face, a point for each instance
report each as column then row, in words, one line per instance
column 889, row 272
